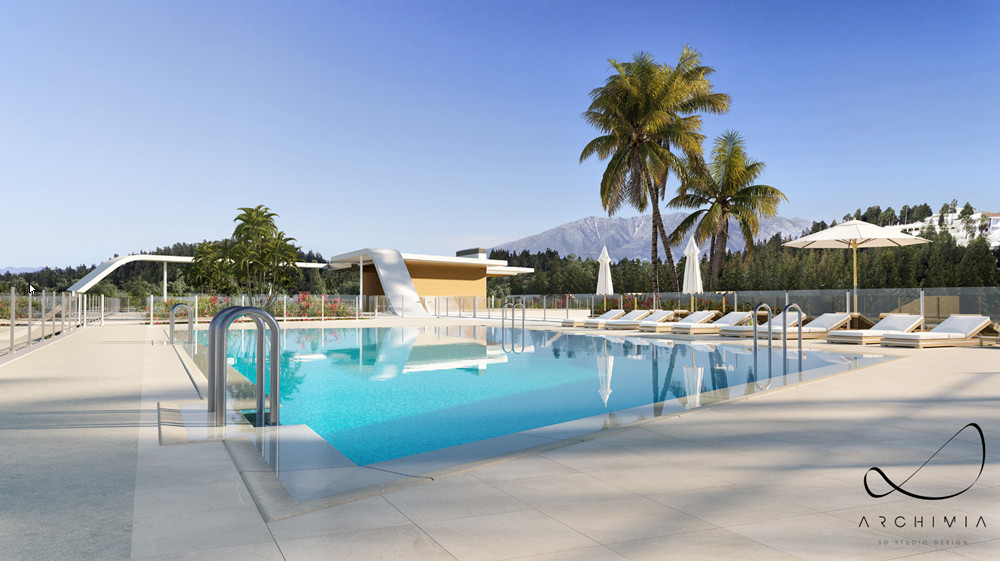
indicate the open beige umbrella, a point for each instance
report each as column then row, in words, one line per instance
column 855, row 234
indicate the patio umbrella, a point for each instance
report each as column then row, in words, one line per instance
column 692, row 271
column 855, row 234
column 604, row 285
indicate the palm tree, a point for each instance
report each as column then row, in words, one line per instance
column 254, row 228
column 722, row 190
column 645, row 109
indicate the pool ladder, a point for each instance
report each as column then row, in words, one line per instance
column 770, row 340
column 218, row 332
column 503, row 327
column 190, row 311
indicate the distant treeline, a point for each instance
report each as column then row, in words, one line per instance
column 771, row 266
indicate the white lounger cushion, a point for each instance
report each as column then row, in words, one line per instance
column 599, row 321
column 668, row 326
column 822, row 324
column 697, row 317
column 898, row 322
column 890, row 324
column 655, row 317
column 746, row 330
column 955, row 327
column 732, row 318
column 633, row 316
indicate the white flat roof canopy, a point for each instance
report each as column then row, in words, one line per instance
column 494, row 267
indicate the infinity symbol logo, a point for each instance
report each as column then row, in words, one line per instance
column 982, row 439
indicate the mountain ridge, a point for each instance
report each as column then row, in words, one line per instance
column 630, row 237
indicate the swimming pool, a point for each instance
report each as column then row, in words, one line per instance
column 377, row 394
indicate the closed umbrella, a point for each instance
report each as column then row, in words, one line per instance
column 692, row 271
column 604, row 285
column 605, row 366
column 693, row 376
column 855, row 234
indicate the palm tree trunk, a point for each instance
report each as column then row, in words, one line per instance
column 658, row 225
column 719, row 252
column 711, row 262
column 653, row 261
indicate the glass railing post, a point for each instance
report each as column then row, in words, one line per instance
column 13, row 317
column 922, row 310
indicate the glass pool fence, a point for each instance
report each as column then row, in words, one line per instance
column 27, row 319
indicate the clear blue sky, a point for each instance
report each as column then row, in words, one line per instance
column 436, row 126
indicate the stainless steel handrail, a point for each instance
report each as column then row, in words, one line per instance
column 190, row 311
column 770, row 344
column 513, row 326
column 784, row 336
column 217, row 342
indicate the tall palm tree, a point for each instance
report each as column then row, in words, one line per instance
column 644, row 110
column 721, row 190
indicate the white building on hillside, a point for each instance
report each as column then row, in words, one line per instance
column 963, row 230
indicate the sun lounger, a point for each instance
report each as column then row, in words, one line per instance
column 667, row 326
column 747, row 330
column 891, row 324
column 957, row 330
column 732, row 318
column 817, row 328
column 631, row 323
column 599, row 322
column 633, row 316
column 610, row 314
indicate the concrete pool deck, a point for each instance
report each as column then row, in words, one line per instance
column 776, row 476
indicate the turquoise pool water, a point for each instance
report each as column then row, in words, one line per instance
column 378, row 394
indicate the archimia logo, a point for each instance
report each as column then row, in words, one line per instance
column 932, row 519
column 893, row 487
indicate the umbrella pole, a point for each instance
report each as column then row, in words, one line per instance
column 854, row 246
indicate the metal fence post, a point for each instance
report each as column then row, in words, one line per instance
column 922, row 310
column 322, row 307
column 196, row 308
column 102, row 310
column 29, row 318
column 284, row 307
column 43, row 318
column 52, row 326
column 13, row 304
column 150, row 309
